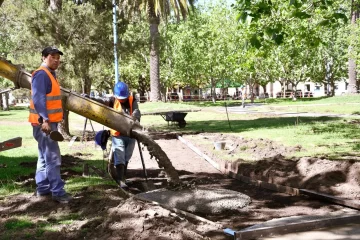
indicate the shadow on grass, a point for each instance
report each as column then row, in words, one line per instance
column 11, row 167
column 231, row 103
column 23, row 168
column 5, row 113
column 238, row 126
column 344, row 129
column 18, row 108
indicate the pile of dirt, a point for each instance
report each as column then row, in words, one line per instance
column 260, row 148
column 339, row 178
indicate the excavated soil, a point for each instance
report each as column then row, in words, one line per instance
column 105, row 212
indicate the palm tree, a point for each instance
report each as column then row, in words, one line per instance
column 155, row 10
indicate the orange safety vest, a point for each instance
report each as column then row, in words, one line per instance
column 53, row 101
column 117, row 107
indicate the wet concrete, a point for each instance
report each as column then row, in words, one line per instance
column 200, row 200
column 160, row 156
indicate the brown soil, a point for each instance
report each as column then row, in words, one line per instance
column 104, row 212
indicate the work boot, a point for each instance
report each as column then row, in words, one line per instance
column 66, row 198
column 42, row 195
column 120, row 172
column 127, row 182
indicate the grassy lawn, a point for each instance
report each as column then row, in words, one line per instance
column 335, row 105
column 318, row 136
column 349, row 108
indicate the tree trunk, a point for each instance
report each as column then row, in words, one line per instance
column 264, row 88
column 154, row 21
column 352, row 64
column 6, row 108
column 86, row 84
column 55, row 5
column 332, row 84
column 213, row 90
column 63, row 126
column 142, row 88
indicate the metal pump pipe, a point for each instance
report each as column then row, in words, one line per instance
column 74, row 102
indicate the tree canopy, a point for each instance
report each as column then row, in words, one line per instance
column 251, row 43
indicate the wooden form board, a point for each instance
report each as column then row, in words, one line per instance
column 10, row 144
column 340, row 201
column 301, row 226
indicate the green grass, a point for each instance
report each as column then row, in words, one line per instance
column 317, row 135
column 79, row 183
column 18, row 223
column 332, row 109
column 35, row 229
column 317, row 100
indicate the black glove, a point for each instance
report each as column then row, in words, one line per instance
column 104, row 137
column 85, row 95
column 135, row 119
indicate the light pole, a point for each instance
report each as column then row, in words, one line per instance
column 115, row 42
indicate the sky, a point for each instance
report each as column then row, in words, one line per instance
column 204, row 1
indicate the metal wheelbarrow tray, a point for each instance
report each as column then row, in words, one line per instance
column 173, row 116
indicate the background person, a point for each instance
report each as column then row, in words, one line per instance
column 46, row 108
column 122, row 146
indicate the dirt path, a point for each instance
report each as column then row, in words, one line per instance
column 102, row 212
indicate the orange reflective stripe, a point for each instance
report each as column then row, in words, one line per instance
column 117, row 107
column 53, row 101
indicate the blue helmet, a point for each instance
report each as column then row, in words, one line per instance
column 101, row 138
column 121, row 90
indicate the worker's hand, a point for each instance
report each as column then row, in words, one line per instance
column 45, row 127
column 134, row 119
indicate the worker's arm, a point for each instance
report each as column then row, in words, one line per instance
column 136, row 111
column 108, row 101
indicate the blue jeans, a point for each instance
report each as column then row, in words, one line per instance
column 47, row 177
column 123, row 148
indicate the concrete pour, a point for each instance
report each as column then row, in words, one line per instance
column 200, row 200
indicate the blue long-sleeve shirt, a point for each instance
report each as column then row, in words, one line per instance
column 40, row 86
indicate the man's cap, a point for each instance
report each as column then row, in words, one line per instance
column 50, row 50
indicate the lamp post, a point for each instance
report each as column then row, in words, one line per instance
column 115, row 42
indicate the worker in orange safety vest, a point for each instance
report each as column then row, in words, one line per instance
column 45, row 114
column 122, row 146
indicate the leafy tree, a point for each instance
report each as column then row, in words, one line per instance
column 80, row 31
column 328, row 65
column 269, row 22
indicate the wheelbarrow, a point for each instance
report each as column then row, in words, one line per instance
column 177, row 117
